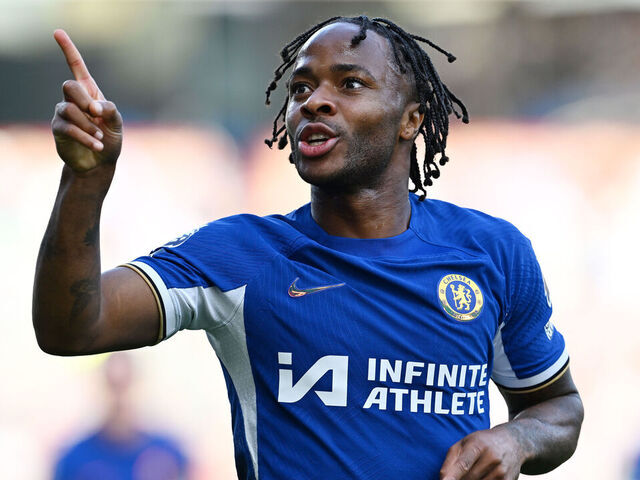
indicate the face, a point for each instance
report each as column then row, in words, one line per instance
column 345, row 109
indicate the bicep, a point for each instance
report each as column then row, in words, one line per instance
column 129, row 314
column 561, row 386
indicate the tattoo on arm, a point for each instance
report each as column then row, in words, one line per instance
column 93, row 232
column 49, row 248
column 83, row 291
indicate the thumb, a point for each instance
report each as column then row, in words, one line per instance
column 108, row 113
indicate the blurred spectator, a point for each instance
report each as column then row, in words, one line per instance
column 635, row 474
column 119, row 449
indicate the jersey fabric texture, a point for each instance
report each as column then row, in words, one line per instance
column 98, row 457
column 360, row 358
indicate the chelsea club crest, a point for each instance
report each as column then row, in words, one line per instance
column 460, row 297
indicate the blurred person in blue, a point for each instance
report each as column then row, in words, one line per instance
column 635, row 474
column 357, row 334
column 120, row 449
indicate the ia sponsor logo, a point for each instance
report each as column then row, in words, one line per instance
column 338, row 365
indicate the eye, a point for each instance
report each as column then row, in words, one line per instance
column 352, row 83
column 299, row 88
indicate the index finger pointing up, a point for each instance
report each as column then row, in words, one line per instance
column 72, row 55
column 76, row 63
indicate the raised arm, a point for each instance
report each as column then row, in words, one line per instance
column 76, row 309
column 542, row 432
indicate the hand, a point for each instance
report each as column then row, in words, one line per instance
column 484, row 455
column 86, row 127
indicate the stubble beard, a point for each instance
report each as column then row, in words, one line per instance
column 363, row 167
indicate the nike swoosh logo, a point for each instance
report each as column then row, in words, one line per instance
column 294, row 291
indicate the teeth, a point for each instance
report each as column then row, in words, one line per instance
column 317, row 137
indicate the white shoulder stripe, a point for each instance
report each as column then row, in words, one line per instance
column 230, row 343
column 504, row 375
column 205, row 308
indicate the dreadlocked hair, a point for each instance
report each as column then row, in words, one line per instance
column 435, row 99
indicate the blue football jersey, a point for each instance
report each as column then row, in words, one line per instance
column 360, row 358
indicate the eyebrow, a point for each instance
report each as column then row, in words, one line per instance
column 336, row 68
column 350, row 67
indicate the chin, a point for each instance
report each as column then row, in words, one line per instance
column 320, row 172
column 318, row 179
column 336, row 181
column 344, row 173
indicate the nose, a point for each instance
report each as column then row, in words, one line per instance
column 318, row 103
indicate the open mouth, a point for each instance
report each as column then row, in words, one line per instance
column 316, row 139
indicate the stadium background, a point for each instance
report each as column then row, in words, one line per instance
column 553, row 146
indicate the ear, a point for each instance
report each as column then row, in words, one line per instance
column 411, row 121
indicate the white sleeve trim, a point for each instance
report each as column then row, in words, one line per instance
column 504, row 375
column 170, row 313
column 192, row 308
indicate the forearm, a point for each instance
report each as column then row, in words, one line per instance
column 547, row 432
column 66, row 296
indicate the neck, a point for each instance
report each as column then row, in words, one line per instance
column 119, row 425
column 362, row 213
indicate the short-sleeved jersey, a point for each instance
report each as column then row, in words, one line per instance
column 360, row 358
column 98, row 457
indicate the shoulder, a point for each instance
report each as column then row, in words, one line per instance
column 79, row 449
column 237, row 233
column 246, row 224
column 227, row 252
column 164, row 442
column 467, row 228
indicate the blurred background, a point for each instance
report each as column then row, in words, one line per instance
column 553, row 90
